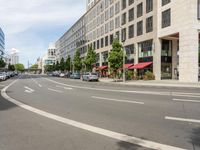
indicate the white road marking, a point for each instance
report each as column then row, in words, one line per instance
column 31, row 90
column 186, row 100
column 2, row 85
column 179, row 93
column 117, row 100
column 27, row 91
column 58, row 91
column 93, row 129
column 182, row 119
column 36, row 82
column 66, row 88
column 110, row 90
column 182, row 95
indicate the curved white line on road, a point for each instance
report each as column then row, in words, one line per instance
column 93, row 129
column 58, row 91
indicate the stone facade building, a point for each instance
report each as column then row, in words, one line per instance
column 157, row 35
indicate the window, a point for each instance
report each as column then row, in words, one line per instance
column 139, row 28
column 102, row 43
column 106, row 15
column 106, row 27
column 123, row 4
column 131, row 31
column 165, row 2
column 149, row 24
column 131, row 15
column 111, row 11
column 111, row 25
column 198, row 9
column 106, row 41
column 145, row 48
column 166, row 18
column 117, row 7
column 117, row 35
column 111, row 39
column 130, row 2
column 139, row 10
column 123, row 18
column 117, row 22
column 123, row 36
column 149, row 6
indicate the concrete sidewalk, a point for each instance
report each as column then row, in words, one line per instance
column 162, row 83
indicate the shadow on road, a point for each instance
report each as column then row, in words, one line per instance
column 5, row 105
column 128, row 146
column 195, row 138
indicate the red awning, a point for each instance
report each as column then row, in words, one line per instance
column 141, row 65
column 102, row 68
column 127, row 66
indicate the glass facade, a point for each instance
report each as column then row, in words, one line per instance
column 2, row 42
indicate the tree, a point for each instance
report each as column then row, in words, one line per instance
column 77, row 61
column 90, row 59
column 34, row 67
column 54, row 67
column 68, row 63
column 57, row 66
column 11, row 67
column 2, row 63
column 116, row 57
column 19, row 67
column 48, row 68
column 62, row 64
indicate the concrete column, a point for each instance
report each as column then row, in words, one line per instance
column 188, row 56
column 136, row 59
column 157, row 59
column 100, row 59
column 174, row 58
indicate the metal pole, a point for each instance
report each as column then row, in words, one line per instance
column 124, row 69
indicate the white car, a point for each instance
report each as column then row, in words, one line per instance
column 2, row 77
column 62, row 75
column 90, row 77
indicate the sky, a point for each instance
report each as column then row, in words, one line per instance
column 30, row 25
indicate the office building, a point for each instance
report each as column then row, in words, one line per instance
column 158, row 35
column 14, row 57
column 2, row 43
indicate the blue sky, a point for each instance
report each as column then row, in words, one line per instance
column 30, row 25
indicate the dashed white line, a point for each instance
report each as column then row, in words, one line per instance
column 186, row 100
column 58, row 91
column 39, row 85
column 31, row 90
column 182, row 119
column 93, row 129
column 66, row 88
column 117, row 100
column 182, row 95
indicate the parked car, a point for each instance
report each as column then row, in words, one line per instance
column 89, row 76
column 3, row 76
column 62, row 75
column 75, row 76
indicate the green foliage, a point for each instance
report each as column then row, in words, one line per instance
column 90, row 59
column 34, row 67
column 11, row 67
column 54, row 67
column 62, row 64
column 48, row 68
column 19, row 67
column 68, row 63
column 57, row 67
column 77, row 61
column 116, row 56
column 149, row 76
column 2, row 63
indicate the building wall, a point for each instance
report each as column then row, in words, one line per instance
column 100, row 24
column 2, row 42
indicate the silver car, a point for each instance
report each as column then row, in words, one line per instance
column 89, row 76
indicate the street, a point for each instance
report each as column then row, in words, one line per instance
column 41, row 112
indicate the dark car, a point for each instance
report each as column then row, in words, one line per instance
column 75, row 76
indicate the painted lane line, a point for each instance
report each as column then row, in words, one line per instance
column 58, row 91
column 93, row 129
column 110, row 90
column 186, row 100
column 39, row 85
column 66, row 88
column 179, row 95
column 117, row 100
column 36, row 82
column 27, row 91
column 182, row 119
column 31, row 90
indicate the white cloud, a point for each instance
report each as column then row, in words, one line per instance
column 20, row 20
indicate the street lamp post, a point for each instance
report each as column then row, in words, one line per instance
column 124, row 69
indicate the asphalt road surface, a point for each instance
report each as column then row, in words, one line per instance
column 47, row 113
